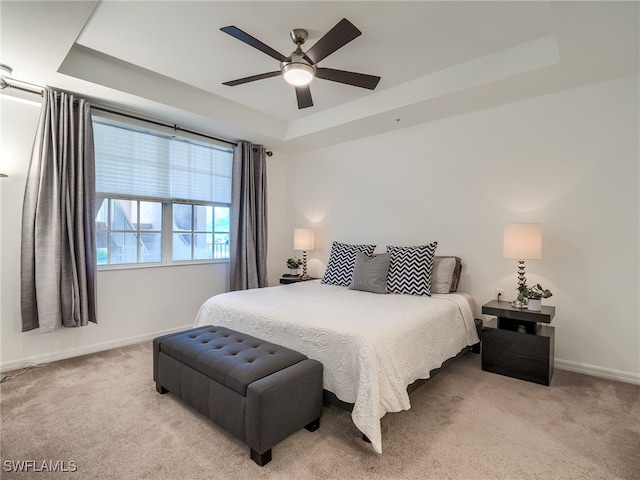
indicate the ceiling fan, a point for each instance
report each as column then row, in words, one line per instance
column 301, row 67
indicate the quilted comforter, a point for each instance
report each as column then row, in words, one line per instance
column 372, row 346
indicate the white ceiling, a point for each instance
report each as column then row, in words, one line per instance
column 436, row 59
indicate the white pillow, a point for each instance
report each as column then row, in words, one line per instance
column 442, row 274
column 446, row 274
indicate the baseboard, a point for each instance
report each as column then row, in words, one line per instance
column 594, row 371
column 76, row 352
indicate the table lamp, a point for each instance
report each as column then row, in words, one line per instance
column 303, row 240
column 522, row 241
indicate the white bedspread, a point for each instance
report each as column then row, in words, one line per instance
column 371, row 346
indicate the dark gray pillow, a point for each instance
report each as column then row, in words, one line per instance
column 370, row 273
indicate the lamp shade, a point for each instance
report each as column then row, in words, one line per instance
column 303, row 239
column 523, row 241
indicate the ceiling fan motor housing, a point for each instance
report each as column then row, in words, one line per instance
column 299, row 36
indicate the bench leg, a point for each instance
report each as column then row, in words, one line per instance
column 261, row 458
column 161, row 389
column 313, row 426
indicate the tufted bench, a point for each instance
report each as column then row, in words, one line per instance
column 258, row 391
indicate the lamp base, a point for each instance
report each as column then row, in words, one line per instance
column 522, row 280
column 304, row 266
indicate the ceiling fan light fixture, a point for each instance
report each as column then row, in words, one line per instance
column 298, row 74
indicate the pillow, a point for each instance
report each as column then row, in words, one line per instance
column 342, row 260
column 456, row 275
column 410, row 269
column 446, row 274
column 370, row 273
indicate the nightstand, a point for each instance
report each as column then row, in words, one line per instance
column 518, row 343
column 285, row 280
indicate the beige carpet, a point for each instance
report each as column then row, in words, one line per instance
column 102, row 412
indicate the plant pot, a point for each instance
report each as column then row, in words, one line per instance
column 535, row 305
column 293, row 272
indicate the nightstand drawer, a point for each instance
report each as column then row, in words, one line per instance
column 534, row 345
column 525, row 367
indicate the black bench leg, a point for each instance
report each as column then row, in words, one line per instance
column 313, row 426
column 261, row 458
column 160, row 388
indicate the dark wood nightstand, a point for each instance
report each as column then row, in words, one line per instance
column 518, row 343
column 285, row 280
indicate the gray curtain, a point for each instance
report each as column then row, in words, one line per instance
column 58, row 253
column 248, row 263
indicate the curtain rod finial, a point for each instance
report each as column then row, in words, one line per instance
column 5, row 70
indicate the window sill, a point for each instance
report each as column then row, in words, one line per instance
column 137, row 266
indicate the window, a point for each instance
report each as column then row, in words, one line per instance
column 161, row 199
column 128, row 231
column 200, row 232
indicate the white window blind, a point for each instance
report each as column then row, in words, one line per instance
column 132, row 163
column 200, row 173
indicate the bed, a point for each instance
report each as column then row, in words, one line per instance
column 371, row 346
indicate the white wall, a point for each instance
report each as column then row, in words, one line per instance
column 568, row 160
column 133, row 304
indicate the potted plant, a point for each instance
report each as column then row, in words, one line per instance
column 293, row 264
column 533, row 296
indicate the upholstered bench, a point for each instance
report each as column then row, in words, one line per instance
column 257, row 391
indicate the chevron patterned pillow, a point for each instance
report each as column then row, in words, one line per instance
column 410, row 269
column 342, row 261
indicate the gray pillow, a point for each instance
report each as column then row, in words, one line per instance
column 442, row 275
column 370, row 273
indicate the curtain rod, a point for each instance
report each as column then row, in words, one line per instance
column 161, row 124
column 23, row 86
column 38, row 90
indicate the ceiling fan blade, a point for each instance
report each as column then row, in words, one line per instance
column 361, row 80
column 303, row 94
column 252, row 78
column 337, row 37
column 235, row 32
